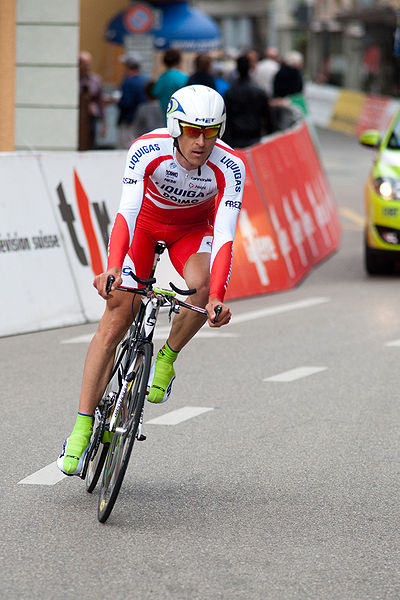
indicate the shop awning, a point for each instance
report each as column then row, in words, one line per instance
column 179, row 26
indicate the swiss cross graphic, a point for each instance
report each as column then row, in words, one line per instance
column 259, row 249
column 295, row 230
column 306, row 221
column 283, row 241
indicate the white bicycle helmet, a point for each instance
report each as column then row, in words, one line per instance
column 197, row 105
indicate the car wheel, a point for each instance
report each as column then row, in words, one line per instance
column 375, row 264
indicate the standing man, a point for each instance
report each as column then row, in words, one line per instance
column 183, row 185
column 247, row 109
column 132, row 94
column 171, row 80
column 266, row 70
column 91, row 103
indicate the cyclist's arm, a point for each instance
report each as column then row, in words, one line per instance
column 229, row 204
column 133, row 185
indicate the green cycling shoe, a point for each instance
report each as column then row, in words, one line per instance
column 74, row 449
column 162, row 376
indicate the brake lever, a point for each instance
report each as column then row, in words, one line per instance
column 110, row 281
column 217, row 311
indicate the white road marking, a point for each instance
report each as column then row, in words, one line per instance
column 179, row 415
column 80, row 339
column 160, row 334
column 294, row 374
column 280, row 308
column 49, row 475
column 394, row 343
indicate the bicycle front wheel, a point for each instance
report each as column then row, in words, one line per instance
column 125, row 432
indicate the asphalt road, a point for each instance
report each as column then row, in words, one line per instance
column 287, row 488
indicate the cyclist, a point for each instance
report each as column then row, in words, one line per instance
column 182, row 185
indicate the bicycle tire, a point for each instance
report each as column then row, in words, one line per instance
column 96, row 462
column 121, row 444
column 95, row 467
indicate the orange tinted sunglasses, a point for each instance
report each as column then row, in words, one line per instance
column 193, row 131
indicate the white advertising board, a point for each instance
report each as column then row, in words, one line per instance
column 39, row 290
column 320, row 101
column 85, row 189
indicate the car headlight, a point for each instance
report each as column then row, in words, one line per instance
column 387, row 187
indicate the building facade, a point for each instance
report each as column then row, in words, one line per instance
column 40, row 74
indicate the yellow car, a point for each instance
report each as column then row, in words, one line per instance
column 382, row 200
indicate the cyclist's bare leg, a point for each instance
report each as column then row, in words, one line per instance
column 187, row 323
column 116, row 319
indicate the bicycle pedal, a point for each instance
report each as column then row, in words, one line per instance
column 141, row 437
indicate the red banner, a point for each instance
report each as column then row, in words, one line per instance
column 258, row 266
column 288, row 222
column 375, row 114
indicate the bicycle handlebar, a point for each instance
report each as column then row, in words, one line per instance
column 182, row 292
column 151, row 281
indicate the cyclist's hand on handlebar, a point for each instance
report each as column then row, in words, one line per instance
column 218, row 313
column 100, row 282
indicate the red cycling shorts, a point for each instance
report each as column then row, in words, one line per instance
column 182, row 241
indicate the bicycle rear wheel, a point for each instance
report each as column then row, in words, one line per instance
column 95, row 467
column 126, row 429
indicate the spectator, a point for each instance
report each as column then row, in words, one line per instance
column 91, row 103
column 171, row 80
column 288, row 85
column 221, row 81
column 253, row 57
column 202, row 73
column 148, row 115
column 132, row 95
column 247, row 109
column 266, row 70
column 289, row 79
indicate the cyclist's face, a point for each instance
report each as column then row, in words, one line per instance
column 195, row 150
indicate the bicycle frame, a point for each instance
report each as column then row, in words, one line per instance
column 122, row 405
column 142, row 329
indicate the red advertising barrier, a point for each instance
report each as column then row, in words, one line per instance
column 376, row 114
column 258, row 266
column 288, row 222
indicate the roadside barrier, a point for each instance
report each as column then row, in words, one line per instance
column 57, row 209
column 348, row 111
column 288, row 222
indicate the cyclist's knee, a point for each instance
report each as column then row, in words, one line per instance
column 200, row 298
column 113, row 327
column 111, row 334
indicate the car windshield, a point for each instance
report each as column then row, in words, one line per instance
column 394, row 140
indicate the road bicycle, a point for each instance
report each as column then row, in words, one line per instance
column 119, row 416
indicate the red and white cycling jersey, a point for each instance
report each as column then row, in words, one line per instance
column 159, row 194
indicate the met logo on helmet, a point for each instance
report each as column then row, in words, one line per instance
column 205, row 120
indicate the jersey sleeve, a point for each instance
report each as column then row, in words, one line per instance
column 230, row 178
column 137, row 167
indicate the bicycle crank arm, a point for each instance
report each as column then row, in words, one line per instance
column 140, row 435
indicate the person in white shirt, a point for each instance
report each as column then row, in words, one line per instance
column 266, row 69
